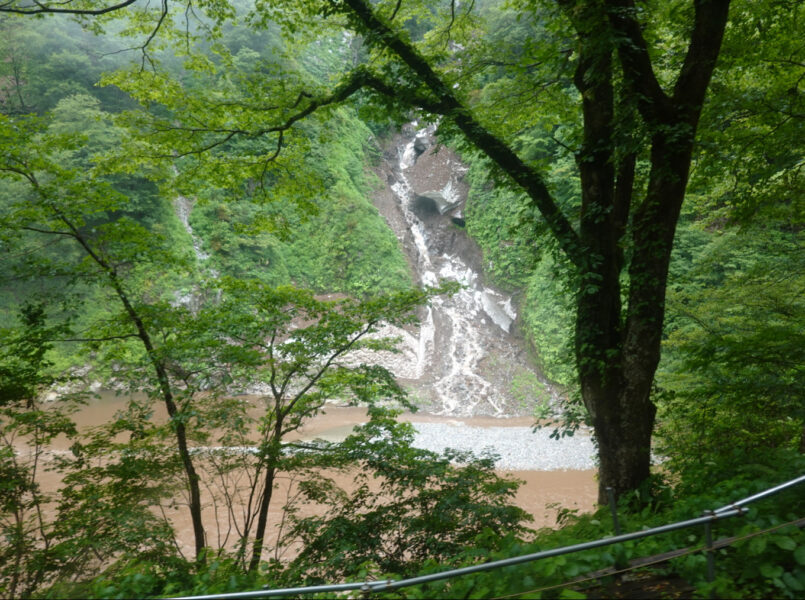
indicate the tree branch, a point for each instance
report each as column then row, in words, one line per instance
column 359, row 79
column 653, row 102
column 99, row 339
column 144, row 48
column 48, row 231
column 381, row 33
column 394, row 12
column 38, row 8
column 705, row 43
column 313, row 379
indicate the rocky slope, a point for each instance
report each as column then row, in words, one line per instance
column 467, row 357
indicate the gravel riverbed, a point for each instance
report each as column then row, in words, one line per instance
column 519, row 448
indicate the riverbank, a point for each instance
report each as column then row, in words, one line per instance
column 518, row 446
column 556, row 474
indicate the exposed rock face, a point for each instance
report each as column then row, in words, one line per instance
column 432, row 203
column 466, row 355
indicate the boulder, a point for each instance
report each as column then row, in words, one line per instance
column 432, row 203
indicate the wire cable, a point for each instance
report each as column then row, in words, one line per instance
column 716, row 546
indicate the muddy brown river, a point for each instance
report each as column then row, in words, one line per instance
column 541, row 494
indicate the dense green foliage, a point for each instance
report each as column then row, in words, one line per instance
column 732, row 379
column 354, row 253
column 767, row 561
column 520, row 259
column 97, row 268
column 425, row 510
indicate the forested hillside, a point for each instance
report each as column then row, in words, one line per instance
column 54, row 70
column 186, row 216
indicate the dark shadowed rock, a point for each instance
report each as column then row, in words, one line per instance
column 432, row 202
column 424, row 206
column 420, row 145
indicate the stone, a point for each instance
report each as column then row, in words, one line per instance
column 433, row 202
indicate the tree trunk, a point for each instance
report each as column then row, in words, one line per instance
column 617, row 360
column 623, row 426
column 622, row 421
column 173, row 412
column 616, row 354
column 262, row 520
column 274, row 447
column 163, row 380
column 191, row 474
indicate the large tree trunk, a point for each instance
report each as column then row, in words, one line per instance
column 623, row 426
column 617, row 360
column 616, row 354
column 622, row 421
column 623, row 414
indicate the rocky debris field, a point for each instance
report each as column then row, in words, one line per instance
column 518, row 448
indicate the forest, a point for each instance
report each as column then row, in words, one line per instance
column 189, row 220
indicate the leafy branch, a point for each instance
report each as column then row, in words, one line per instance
column 63, row 7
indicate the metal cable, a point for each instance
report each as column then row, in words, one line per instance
column 653, row 562
column 730, row 510
column 765, row 493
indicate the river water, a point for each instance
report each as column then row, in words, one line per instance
column 546, row 485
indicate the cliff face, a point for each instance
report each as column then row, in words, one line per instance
column 467, row 357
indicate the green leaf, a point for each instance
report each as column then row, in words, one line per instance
column 792, row 582
column 771, row 571
column 785, row 543
column 757, row 545
column 799, row 555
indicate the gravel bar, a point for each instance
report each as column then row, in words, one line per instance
column 519, row 448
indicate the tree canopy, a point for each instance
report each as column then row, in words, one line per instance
column 174, row 173
column 631, row 134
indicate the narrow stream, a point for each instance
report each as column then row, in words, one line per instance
column 467, row 357
column 183, row 206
